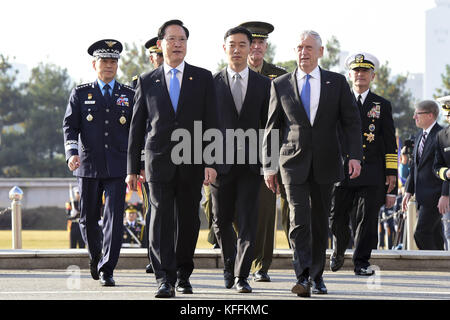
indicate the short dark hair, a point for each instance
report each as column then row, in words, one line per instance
column 162, row 29
column 429, row 106
column 239, row 29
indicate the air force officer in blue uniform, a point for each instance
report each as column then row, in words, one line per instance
column 96, row 126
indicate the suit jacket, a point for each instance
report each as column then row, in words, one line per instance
column 379, row 144
column 97, row 131
column 253, row 115
column 154, row 116
column 421, row 180
column 305, row 146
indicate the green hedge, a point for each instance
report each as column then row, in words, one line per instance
column 42, row 218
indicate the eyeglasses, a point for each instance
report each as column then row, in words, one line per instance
column 172, row 40
column 423, row 112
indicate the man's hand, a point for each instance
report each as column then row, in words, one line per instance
column 354, row 168
column 210, row 176
column 74, row 162
column 271, row 181
column 405, row 200
column 390, row 180
column 443, row 204
column 142, row 176
column 390, row 202
column 447, row 174
column 131, row 181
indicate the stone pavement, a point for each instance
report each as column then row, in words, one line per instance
column 134, row 284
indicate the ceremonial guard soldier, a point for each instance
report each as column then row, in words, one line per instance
column 73, row 219
column 442, row 164
column 96, row 126
column 132, row 228
column 377, row 184
column 267, row 199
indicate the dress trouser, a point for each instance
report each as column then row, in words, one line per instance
column 368, row 201
column 235, row 199
column 309, row 206
column 174, row 227
column 107, row 238
column 429, row 233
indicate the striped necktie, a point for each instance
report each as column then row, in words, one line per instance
column 422, row 143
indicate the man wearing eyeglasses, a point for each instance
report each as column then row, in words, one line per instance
column 171, row 97
column 429, row 190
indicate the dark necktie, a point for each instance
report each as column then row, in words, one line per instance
column 359, row 101
column 422, row 143
column 305, row 96
column 106, row 94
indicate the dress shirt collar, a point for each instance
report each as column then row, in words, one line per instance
column 429, row 128
column 315, row 74
column 180, row 68
column 243, row 73
column 363, row 95
column 101, row 84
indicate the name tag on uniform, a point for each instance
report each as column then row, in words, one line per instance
column 446, row 149
column 89, row 102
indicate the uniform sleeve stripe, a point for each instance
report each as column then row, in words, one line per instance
column 68, row 147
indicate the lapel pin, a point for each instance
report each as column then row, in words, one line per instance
column 190, row 78
column 157, row 80
column 328, row 82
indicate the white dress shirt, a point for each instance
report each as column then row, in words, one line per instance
column 168, row 73
column 314, row 82
column 363, row 95
column 244, row 79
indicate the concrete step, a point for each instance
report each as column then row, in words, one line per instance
column 135, row 258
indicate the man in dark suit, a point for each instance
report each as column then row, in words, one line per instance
column 421, row 181
column 176, row 97
column 96, row 126
column 265, row 232
column 156, row 59
column 242, row 104
column 368, row 192
column 305, row 108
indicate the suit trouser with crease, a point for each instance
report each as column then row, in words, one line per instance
column 235, row 198
column 309, row 205
column 108, row 239
column 174, row 227
column 429, row 234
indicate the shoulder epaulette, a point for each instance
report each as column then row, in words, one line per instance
column 84, row 85
column 280, row 67
column 128, row 87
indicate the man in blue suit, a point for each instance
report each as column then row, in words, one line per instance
column 96, row 126
column 175, row 96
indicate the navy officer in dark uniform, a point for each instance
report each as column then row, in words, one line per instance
column 95, row 127
column 377, row 183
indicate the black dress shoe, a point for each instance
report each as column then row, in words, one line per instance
column 184, row 286
column 165, row 290
column 261, row 276
column 93, row 266
column 364, row 272
column 336, row 261
column 318, row 286
column 242, row 285
column 107, row 280
column 302, row 288
column 149, row 268
column 228, row 277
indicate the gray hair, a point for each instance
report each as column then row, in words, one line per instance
column 313, row 34
column 429, row 106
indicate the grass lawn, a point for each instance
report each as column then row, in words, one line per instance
column 59, row 239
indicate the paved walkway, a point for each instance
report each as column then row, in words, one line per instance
column 76, row 284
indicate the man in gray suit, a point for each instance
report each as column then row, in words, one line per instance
column 306, row 106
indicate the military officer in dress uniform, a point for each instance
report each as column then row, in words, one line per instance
column 132, row 228
column 96, row 126
column 267, row 199
column 377, row 184
column 73, row 219
column 442, row 164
